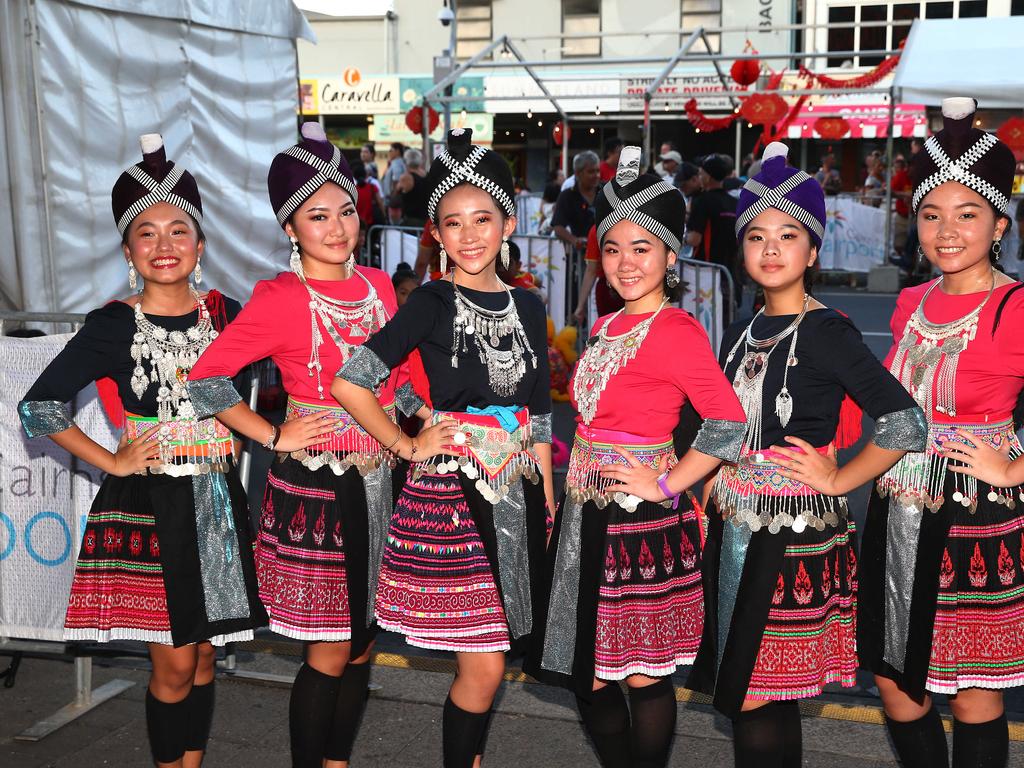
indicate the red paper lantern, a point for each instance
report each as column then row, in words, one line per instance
column 832, row 128
column 763, row 108
column 560, row 133
column 414, row 119
column 1011, row 133
column 745, row 71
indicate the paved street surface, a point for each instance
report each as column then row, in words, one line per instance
column 533, row 725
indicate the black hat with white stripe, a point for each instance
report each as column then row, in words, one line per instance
column 155, row 180
column 463, row 162
column 965, row 154
column 302, row 169
column 644, row 199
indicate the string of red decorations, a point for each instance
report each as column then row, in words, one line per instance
column 703, row 123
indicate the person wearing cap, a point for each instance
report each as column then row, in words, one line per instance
column 671, row 161
column 942, row 560
column 687, row 181
column 712, row 219
column 166, row 557
column 780, row 567
column 465, row 545
column 328, row 495
column 624, row 574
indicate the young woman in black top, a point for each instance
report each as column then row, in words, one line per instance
column 466, row 541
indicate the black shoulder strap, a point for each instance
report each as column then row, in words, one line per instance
column 1002, row 306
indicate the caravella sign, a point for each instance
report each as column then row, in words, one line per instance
column 353, row 94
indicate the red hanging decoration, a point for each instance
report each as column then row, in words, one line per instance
column 414, row 119
column 861, row 81
column 1011, row 133
column 745, row 71
column 831, row 128
column 703, row 123
column 763, row 108
column 560, row 133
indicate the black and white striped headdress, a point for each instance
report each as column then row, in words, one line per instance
column 965, row 154
column 646, row 200
column 302, row 169
column 155, row 180
column 463, row 162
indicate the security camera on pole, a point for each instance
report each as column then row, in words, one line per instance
column 448, row 19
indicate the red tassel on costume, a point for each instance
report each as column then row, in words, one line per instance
column 851, row 418
column 111, row 401
column 418, row 377
column 218, row 312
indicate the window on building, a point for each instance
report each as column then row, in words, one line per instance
column 938, row 10
column 973, row 9
column 840, row 38
column 581, row 17
column 873, row 38
column 903, row 15
column 702, row 13
column 473, row 32
column 1017, row 7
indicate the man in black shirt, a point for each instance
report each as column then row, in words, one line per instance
column 574, row 215
column 711, row 226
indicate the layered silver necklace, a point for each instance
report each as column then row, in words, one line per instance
column 928, row 348
column 170, row 355
column 360, row 319
column 488, row 328
column 603, row 359
column 749, row 379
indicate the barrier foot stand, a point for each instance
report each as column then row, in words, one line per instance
column 86, row 699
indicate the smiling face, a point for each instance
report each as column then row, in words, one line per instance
column 470, row 228
column 326, row 226
column 163, row 243
column 956, row 227
column 777, row 250
column 634, row 261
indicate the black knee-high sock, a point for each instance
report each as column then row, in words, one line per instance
column 920, row 743
column 461, row 732
column 166, row 725
column 768, row 737
column 482, row 744
column 310, row 711
column 606, row 720
column 348, row 713
column 981, row 745
column 652, row 723
column 200, row 717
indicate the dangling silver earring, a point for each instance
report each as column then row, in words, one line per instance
column 444, row 261
column 920, row 252
column 349, row 267
column 133, row 276
column 197, row 274
column 295, row 262
column 997, row 249
column 504, row 252
column 671, row 278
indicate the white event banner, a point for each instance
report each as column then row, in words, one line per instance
column 854, row 235
column 45, row 496
column 352, row 94
column 595, row 94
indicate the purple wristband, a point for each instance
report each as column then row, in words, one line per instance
column 668, row 491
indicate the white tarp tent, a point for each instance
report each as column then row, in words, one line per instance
column 963, row 57
column 80, row 80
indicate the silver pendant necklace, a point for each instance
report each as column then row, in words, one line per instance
column 171, row 355
column 749, row 379
column 928, row 355
column 361, row 319
column 488, row 328
column 603, row 359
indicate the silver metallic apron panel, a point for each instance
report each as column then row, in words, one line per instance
column 560, row 633
column 735, row 540
column 219, row 561
column 378, row 515
column 902, row 533
column 514, row 559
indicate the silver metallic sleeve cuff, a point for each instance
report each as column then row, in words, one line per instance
column 720, row 438
column 540, row 428
column 212, row 395
column 407, row 400
column 43, row 417
column 904, row 430
column 364, row 369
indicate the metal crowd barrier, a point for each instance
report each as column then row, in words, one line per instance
column 86, row 697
